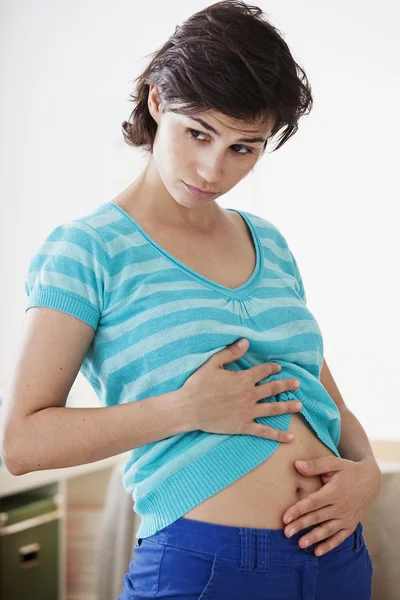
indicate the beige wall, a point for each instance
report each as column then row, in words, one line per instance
column 386, row 450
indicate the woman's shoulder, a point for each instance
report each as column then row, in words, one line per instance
column 264, row 226
column 70, row 269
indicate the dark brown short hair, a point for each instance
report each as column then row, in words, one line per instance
column 228, row 58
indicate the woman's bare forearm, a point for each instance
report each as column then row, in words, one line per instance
column 58, row 437
column 354, row 443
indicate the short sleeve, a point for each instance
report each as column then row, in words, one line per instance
column 69, row 271
column 296, row 272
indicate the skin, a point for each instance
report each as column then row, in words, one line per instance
column 209, row 163
column 219, row 161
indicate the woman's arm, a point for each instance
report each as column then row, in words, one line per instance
column 40, row 432
column 354, row 444
column 57, row 437
column 351, row 483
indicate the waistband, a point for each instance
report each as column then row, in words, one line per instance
column 243, row 543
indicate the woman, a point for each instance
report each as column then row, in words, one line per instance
column 148, row 296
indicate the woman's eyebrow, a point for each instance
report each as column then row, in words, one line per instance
column 211, row 128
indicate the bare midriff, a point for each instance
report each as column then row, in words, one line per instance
column 261, row 497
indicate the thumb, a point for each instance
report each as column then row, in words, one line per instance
column 233, row 351
column 318, row 466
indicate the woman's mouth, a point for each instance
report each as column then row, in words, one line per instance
column 196, row 192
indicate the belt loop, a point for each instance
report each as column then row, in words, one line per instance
column 247, row 543
column 263, row 551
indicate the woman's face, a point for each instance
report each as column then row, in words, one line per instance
column 186, row 150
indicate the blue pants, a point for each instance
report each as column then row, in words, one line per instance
column 196, row 560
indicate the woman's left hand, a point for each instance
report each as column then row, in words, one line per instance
column 338, row 505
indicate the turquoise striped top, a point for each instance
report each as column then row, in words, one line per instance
column 157, row 321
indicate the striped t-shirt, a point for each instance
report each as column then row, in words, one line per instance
column 157, row 321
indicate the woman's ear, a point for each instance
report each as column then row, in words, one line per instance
column 154, row 103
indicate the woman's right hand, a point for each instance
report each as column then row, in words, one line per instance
column 224, row 401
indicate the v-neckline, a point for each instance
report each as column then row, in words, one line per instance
column 237, row 293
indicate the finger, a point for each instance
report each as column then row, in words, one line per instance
column 268, row 433
column 323, row 531
column 319, row 466
column 271, row 409
column 312, row 518
column 333, row 542
column 259, row 372
column 314, row 501
column 275, row 387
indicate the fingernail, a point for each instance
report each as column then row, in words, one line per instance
column 301, row 463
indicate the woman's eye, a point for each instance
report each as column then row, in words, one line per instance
column 248, row 150
column 194, row 132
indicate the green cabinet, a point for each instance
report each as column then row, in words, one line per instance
column 29, row 547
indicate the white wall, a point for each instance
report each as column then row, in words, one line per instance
column 66, row 70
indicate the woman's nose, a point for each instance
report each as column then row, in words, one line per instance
column 211, row 170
